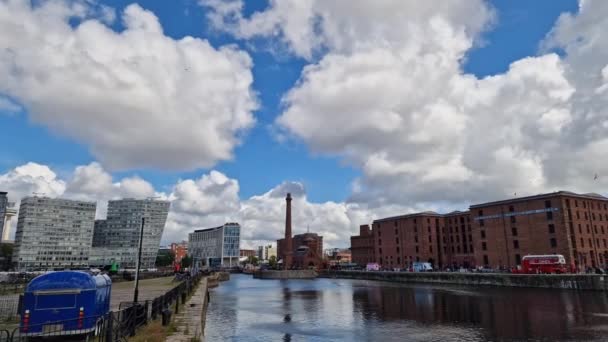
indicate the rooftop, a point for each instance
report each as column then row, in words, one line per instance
column 424, row 213
column 590, row 195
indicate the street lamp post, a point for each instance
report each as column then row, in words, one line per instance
column 137, row 267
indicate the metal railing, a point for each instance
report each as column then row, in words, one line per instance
column 115, row 326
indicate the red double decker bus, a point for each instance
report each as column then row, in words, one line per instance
column 543, row 264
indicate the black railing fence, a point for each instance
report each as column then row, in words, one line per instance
column 115, row 326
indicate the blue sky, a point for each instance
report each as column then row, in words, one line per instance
column 261, row 162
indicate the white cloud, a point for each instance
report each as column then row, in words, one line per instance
column 137, row 98
column 208, row 201
column 385, row 90
column 31, row 178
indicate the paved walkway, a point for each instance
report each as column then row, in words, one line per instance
column 190, row 320
column 148, row 290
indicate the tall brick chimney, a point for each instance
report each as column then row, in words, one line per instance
column 288, row 241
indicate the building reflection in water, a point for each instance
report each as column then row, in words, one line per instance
column 245, row 309
column 500, row 313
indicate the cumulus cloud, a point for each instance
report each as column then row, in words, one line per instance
column 137, row 97
column 31, row 178
column 385, row 89
column 208, row 201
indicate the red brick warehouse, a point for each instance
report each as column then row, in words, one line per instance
column 494, row 234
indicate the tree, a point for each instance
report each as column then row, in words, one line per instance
column 6, row 256
column 272, row 261
column 253, row 260
column 186, row 261
column 165, row 258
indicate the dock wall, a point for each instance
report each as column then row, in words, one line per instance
column 552, row 281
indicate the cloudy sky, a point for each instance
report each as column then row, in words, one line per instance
column 361, row 109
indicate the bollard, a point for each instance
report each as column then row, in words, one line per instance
column 184, row 295
column 166, row 317
column 176, row 306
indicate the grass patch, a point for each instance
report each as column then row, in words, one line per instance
column 153, row 332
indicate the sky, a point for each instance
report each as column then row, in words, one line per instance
column 360, row 109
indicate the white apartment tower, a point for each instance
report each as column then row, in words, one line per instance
column 53, row 234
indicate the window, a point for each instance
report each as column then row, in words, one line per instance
column 595, row 229
column 547, row 204
column 481, row 213
column 602, row 229
column 590, row 243
column 516, row 244
column 593, row 216
column 553, row 242
column 551, row 229
column 481, row 223
column 567, row 203
column 511, row 208
column 416, row 249
column 484, row 246
column 396, row 240
column 588, row 230
column 430, row 239
column 586, row 216
column 395, row 226
column 415, row 229
column 514, row 231
column 379, row 232
column 398, row 250
column 549, row 215
column 398, row 260
column 582, row 243
column 571, row 228
column 578, row 216
column 580, row 230
column 604, row 240
column 380, row 250
column 483, row 234
column 576, row 203
column 431, row 249
column 416, row 239
column 513, row 220
column 517, row 259
column 485, row 260
column 458, row 249
column 380, row 241
column 470, row 248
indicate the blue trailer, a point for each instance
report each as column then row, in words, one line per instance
column 65, row 303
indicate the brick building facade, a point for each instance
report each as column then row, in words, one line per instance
column 308, row 248
column 573, row 225
column 362, row 246
column 494, row 234
column 180, row 250
column 458, row 240
column 401, row 240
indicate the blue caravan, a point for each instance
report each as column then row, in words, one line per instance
column 65, row 303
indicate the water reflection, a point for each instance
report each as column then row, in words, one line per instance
column 246, row 309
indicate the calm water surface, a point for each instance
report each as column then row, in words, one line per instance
column 246, row 309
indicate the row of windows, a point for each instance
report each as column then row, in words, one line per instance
column 598, row 205
column 586, row 215
column 582, row 243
